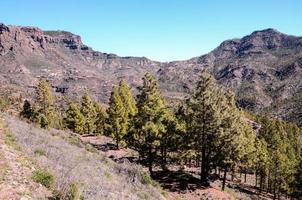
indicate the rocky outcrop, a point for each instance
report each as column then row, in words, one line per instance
column 262, row 68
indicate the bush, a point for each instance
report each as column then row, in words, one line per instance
column 72, row 193
column 4, row 103
column 43, row 177
column 39, row 152
column 9, row 139
column 145, row 178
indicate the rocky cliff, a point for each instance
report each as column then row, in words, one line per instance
column 264, row 68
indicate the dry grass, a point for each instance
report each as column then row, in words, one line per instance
column 96, row 176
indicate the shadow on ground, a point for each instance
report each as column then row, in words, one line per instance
column 177, row 181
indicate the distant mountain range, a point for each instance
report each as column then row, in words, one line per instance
column 264, row 69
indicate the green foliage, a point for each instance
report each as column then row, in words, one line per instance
column 45, row 105
column 9, row 139
column 283, row 150
column 127, row 99
column 74, row 119
column 101, row 118
column 296, row 185
column 4, row 103
column 145, row 178
column 216, row 127
column 43, row 121
column 89, row 113
column 151, row 118
column 43, row 177
column 39, row 152
column 27, row 112
column 117, row 117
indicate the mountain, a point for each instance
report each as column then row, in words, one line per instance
column 263, row 69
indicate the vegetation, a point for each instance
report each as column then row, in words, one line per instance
column 43, row 177
column 117, row 117
column 74, row 119
column 150, row 119
column 89, row 114
column 207, row 128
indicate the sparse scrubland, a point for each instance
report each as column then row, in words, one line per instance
column 70, row 170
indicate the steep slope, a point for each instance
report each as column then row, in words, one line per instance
column 15, row 172
column 73, row 163
column 263, row 68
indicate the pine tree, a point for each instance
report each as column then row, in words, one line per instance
column 204, row 120
column 117, row 117
column 89, row 113
column 27, row 111
column 150, row 119
column 296, row 185
column 216, row 128
column 45, row 102
column 74, row 120
column 43, row 121
column 101, row 117
column 127, row 99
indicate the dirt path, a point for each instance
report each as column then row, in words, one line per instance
column 15, row 174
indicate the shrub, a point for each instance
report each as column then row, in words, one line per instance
column 39, row 152
column 145, row 178
column 9, row 139
column 4, row 103
column 43, row 177
column 71, row 193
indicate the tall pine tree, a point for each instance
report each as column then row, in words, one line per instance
column 204, row 120
column 45, row 102
column 101, row 117
column 117, row 117
column 150, row 118
column 127, row 99
column 74, row 120
column 89, row 113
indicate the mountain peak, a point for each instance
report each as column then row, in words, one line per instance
column 268, row 30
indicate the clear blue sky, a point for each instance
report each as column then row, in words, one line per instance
column 158, row 29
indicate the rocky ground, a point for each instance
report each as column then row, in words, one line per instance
column 182, row 184
column 15, row 173
column 70, row 162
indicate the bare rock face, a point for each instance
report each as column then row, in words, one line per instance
column 262, row 68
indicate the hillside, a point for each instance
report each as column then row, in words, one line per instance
column 26, row 149
column 263, row 68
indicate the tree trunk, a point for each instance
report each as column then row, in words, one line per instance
column 245, row 176
column 256, row 177
column 162, row 157
column 150, row 163
column 261, row 183
column 203, row 175
column 224, row 178
column 269, row 186
column 232, row 175
column 165, row 155
column 117, row 140
column 274, row 188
